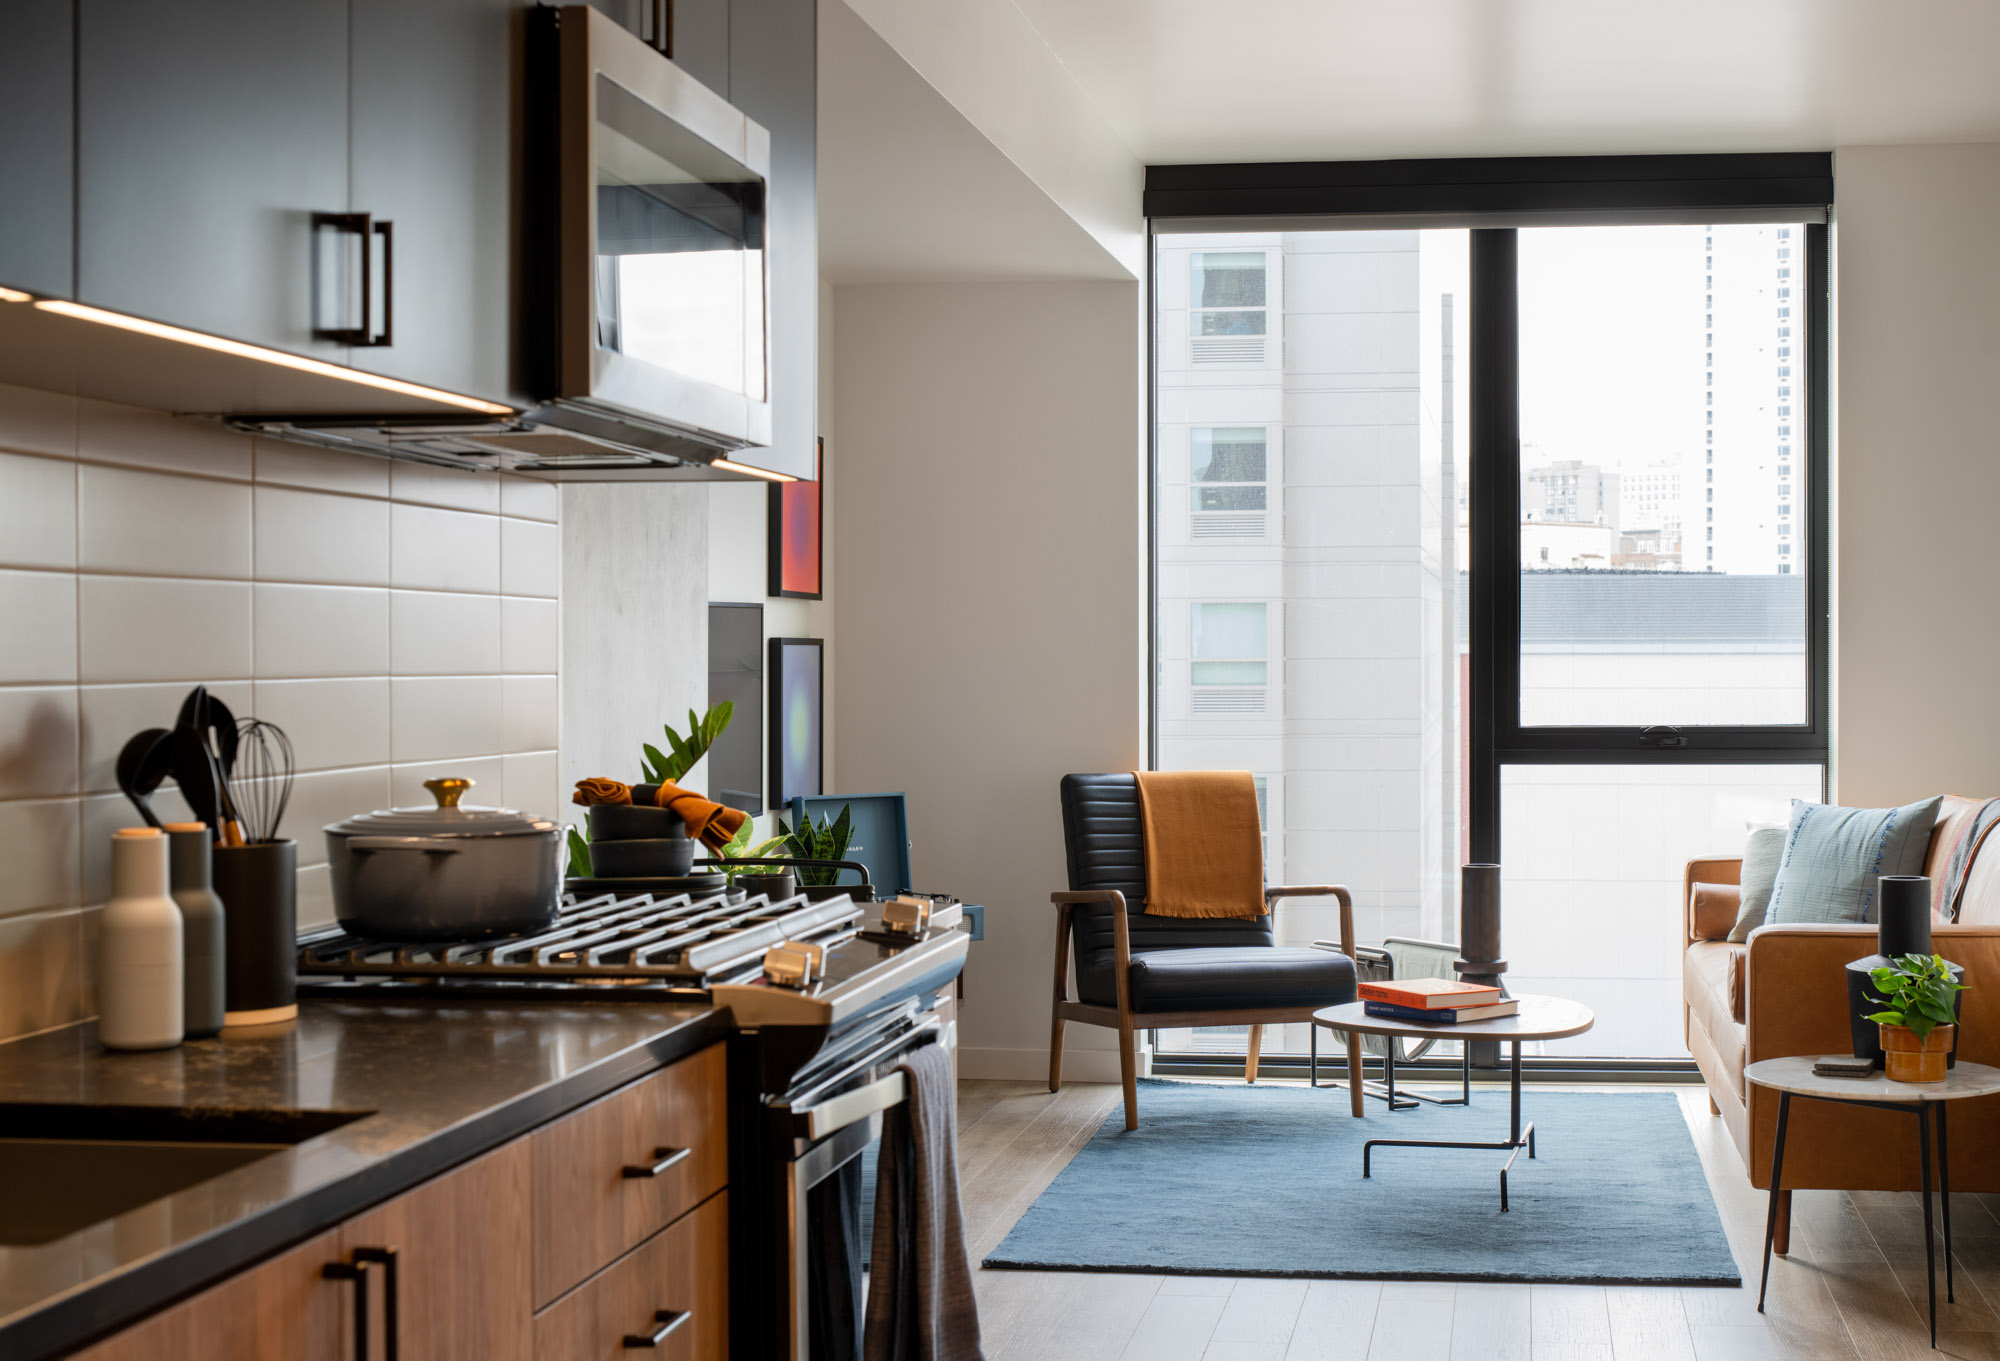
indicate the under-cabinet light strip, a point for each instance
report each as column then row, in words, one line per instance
column 257, row 352
column 15, row 295
column 730, row 466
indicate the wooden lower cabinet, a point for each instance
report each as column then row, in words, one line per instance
column 678, row 1277
column 286, row 1307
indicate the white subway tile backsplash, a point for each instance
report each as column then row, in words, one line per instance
column 530, row 498
column 110, row 714
column 109, row 433
column 154, row 628
column 38, row 845
column 37, row 511
column 36, row 422
column 42, row 971
column 315, row 903
column 532, row 780
column 487, row 773
column 436, row 718
column 532, row 713
column 38, row 620
column 530, row 558
column 330, row 722
column 321, row 631
column 38, row 743
column 422, row 484
column 443, row 550
column 442, row 633
column 330, row 796
column 309, row 536
column 161, row 525
column 530, row 636
column 282, row 463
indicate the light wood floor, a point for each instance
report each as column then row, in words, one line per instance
column 1852, row 1290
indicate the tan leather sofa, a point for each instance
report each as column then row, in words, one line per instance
column 1785, row 992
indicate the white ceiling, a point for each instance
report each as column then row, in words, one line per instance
column 911, row 192
column 1256, row 80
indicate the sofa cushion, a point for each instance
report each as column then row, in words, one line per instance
column 1761, row 856
column 1712, row 909
column 1834, row 855
column 1238, row 978
column 1708, row 970
column 1738, row 961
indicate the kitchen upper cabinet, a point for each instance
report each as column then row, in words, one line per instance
column 36, row 142
column 208, row 134
column 432, row 125
column 287, row 1307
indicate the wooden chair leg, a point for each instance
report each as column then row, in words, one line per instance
column 1713, row 1109
column 1781, row 1241
column 1055, row 1052
column 1128, row 1071
column 1256, row 1047
column 1354, row 1073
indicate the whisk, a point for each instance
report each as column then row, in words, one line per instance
column 263, row 779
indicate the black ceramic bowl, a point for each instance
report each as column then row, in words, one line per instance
column 655, row 857
column 634, row 822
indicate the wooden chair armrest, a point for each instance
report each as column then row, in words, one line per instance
column 1338, row 891
column 1121, row 933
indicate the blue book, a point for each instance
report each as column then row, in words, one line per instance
column 1389, row 1011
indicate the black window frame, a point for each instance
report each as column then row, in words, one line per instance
column 1494, row 197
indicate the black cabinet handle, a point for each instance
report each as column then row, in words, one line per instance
column 387, row 231
column 358, row 1274
column 367, row 228
column 392, row 1331
column 668, row 1321
column 667, row 1158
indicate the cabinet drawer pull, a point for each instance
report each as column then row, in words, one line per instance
column 667, row 1157
column 358, row 1274
column 392, row 1331
column 668, row 1320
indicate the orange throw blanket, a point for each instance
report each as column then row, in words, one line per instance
column 1204, row 847
column 711, row 823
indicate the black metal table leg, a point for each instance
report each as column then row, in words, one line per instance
column 1924, row 1162
column 1519, row 1136
column 1312, row 1055
column 1777, row 1185
column 1944, row 1201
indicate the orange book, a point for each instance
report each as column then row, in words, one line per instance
column 1425, row 994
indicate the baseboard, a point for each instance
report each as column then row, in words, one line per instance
column 1032, row 1065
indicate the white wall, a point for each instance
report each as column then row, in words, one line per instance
column 989, row 522
column 399, row 622
column 1917, row 307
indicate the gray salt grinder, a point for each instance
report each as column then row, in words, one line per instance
column 191, row 875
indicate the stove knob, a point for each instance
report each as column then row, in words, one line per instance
column 906, row 916
column 795, row 964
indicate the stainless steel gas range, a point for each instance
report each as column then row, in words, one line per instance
column 827, row 997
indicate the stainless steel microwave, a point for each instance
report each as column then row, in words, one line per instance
column 661, row 259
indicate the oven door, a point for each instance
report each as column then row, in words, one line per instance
column 664, row 258
column 834, row 1124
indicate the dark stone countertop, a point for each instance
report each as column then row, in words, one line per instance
column 441, row 1082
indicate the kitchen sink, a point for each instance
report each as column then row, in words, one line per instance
column 69, row 1167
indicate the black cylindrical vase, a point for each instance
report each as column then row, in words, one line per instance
column 259, row 885
column 1902, row 927
column 1479, row 926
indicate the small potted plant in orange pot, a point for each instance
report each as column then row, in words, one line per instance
column 1919, row 1021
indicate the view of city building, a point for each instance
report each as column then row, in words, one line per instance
column 1312, row 548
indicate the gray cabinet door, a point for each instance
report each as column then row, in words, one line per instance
column 208, row 133
column 35, row 145
column 433, row 91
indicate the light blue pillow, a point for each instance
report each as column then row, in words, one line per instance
column 1761, row 855
column 1834, row 855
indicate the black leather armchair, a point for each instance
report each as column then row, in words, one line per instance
column 1137, row 972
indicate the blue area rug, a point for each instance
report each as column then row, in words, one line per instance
column 1266, row 1181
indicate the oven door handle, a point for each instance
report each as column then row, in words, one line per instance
column 838, row 1112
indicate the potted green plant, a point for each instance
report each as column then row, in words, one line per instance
column 772, row 881
column 1919, row 1019
column 658, row 767
column 824, row 840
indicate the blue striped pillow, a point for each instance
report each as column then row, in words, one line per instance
column 1834, row 855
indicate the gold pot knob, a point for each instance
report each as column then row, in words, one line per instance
column 447, row 792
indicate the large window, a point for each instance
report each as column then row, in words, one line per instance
column 1545, row 573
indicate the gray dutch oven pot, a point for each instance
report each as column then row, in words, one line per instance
column 444, row 872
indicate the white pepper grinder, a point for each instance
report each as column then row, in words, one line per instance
column 139, row 963
column 192, row 882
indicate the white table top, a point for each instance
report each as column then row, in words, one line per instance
column 1540, row 1018
column 1795, row 1075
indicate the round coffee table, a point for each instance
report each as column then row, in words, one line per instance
column 1794, row 1076
column 1540, row 1018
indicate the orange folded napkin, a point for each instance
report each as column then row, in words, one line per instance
column 1204, row 845
column 711, row 823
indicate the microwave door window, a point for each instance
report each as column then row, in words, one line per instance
column 680, row 234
